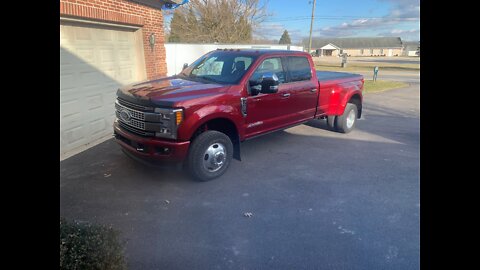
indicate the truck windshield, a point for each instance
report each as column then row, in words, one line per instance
column 219, row 67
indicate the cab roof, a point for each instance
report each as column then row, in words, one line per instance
column 260, row 51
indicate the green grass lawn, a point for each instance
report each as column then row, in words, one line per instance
column 379, row 86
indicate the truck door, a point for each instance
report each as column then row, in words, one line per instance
column 303, row 88
column 266, row 112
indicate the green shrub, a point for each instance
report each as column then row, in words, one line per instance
column 87, row 246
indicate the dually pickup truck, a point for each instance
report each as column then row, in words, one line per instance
column 200, row 116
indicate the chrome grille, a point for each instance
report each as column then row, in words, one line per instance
column 133, row 122
column 134, row 113
column 134, row 130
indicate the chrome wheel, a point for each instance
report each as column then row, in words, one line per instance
column 214, row 157
column 351, row 119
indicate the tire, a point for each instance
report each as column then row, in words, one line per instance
column 210, row 155
column 331, row 122
column 346, row 122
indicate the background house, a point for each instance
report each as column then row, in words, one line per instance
column 410, row 48
column 103, row 44
column 362, row 46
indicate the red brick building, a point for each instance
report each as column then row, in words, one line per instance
column 103, row 44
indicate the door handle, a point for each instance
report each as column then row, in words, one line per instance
column 285, row 94
column 313, row 90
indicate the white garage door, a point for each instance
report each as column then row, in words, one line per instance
column 94, row 61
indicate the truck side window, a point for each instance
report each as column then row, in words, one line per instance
column 269, row 65
column 299, row 68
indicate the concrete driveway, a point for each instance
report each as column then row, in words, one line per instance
column 319, row 199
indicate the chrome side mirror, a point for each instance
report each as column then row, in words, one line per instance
column 269, row 83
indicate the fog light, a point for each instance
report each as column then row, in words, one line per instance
column 163, row 150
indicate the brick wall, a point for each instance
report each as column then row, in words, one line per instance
column 125, row 12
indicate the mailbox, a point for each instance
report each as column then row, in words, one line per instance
column 375, row 73
column 344, row 60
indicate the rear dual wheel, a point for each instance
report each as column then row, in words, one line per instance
column 346, row 122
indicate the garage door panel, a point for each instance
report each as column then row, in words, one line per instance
column 71, row 107
column 86, row 54
column 94, row 63
column 66, row 59
column 74, row 136
column 124, row 55
column 123, row 36
column 104, row 36
column 97, row 126
column 126, row 74
column 107, row 56
column 95, row 102
column 89, row 78
column 68, row 82
column 84, row 34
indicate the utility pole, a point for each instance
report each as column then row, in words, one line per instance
column 311, row 26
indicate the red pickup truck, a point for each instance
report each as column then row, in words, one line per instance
column 200, row 116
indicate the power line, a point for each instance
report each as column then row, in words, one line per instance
column 301, row 18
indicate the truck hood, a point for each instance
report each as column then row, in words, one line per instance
column 168, row 91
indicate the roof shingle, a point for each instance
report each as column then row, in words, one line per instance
column 359, row 43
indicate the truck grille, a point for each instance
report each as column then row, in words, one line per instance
column 136, row 131
column 133, row 113
column 156, row 122
column 132, row 122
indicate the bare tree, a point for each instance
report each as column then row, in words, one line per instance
column 223, row 21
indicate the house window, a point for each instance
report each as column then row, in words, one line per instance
column 361, row 51
column 381, row 51
column 371, row 51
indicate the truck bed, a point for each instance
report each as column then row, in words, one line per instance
column 324, row 76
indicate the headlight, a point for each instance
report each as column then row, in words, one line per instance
column 172, row 118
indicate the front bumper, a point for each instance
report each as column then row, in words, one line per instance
column 152, row 149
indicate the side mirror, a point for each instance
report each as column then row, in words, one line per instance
column 185, row 66
column 269, row 83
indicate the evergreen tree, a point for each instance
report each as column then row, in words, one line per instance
column 285, row 39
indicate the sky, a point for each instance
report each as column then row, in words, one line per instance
column 341, row 18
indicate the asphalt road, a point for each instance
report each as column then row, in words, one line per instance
column 319, row 199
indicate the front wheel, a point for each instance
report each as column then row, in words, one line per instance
column 210, row 155
column 346, row 122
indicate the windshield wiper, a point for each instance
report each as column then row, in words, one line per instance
column 208, row 79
